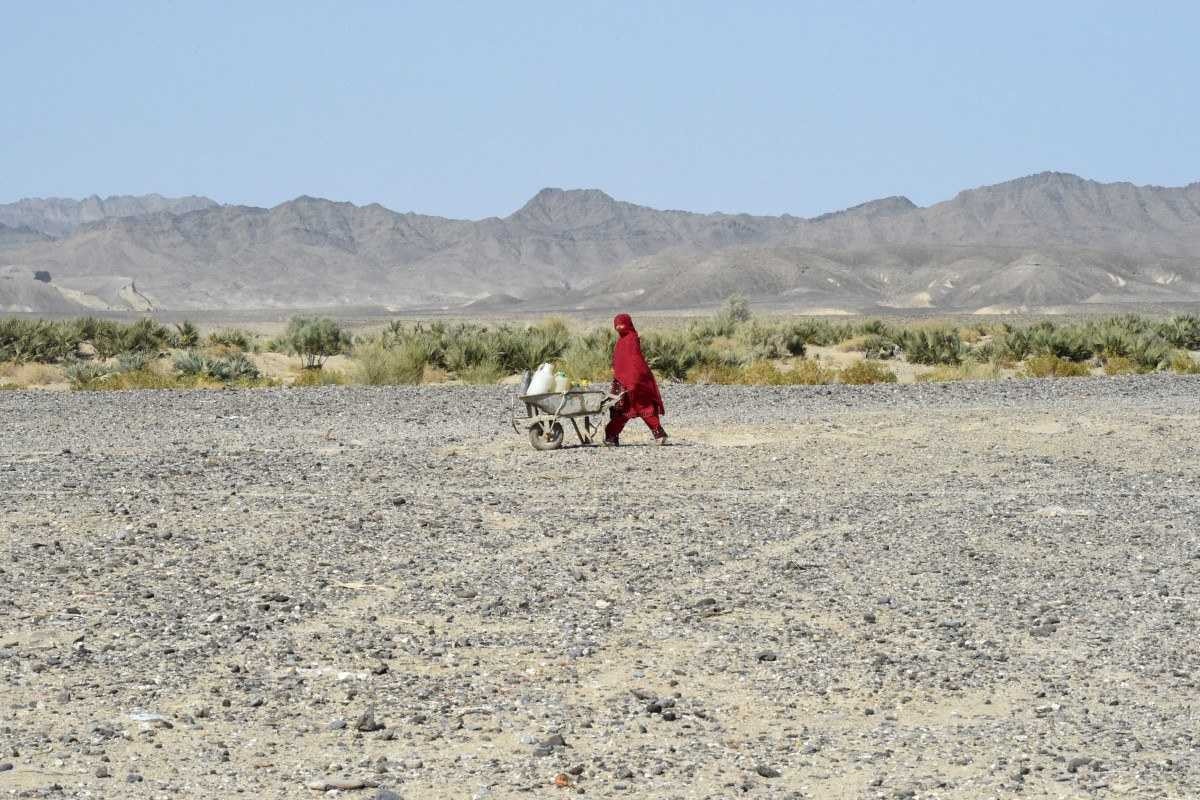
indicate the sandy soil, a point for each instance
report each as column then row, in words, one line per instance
column 951, row 591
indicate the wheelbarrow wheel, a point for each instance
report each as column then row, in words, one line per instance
column 541, row 440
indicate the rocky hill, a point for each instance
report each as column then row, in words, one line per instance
column 1045, row 240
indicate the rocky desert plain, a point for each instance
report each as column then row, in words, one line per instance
column 966, row 590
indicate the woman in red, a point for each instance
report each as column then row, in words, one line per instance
column 632, row 375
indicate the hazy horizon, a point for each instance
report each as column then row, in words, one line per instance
column 468, row 112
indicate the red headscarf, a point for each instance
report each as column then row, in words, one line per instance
column 632, row 371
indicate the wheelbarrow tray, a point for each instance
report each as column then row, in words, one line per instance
column 582, row 403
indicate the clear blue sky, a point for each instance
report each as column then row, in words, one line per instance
column 467, row 109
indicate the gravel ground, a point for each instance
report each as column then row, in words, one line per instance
column 951, row 591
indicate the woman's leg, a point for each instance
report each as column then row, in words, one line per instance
column 656, row 428
column 616, row 424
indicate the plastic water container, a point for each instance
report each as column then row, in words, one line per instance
column 561, row 384
column 542, row 381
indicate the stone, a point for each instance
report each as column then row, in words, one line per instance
column 367, row 722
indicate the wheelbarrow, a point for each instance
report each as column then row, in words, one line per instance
column 544, row 414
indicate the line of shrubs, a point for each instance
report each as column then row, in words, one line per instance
column 729, row 347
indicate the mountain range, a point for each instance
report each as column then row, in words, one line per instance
column 1047, row 240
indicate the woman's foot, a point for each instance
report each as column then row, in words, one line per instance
column 611, row 443
column 660, row 437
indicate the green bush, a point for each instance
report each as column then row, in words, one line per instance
column 186, row 335
column 1182, row 332
column 589, row 357
column 877, row 346
column 190, row 363
column 932, row 346
column 520, row 349
column 132, row 362
column 763, row 340
column 233, row 339
column 1070, row 344
column 234, row 368
column 673, row 355
column 378, row 364
column 315, row 339
column 26, row 341
column 83, row 374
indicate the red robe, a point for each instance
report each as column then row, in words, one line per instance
column 630, row 370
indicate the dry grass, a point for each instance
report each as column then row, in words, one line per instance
column 1120, row 365
column 866, row 372
column 318, row 377
column 854, row 345
column 800, row 372
column 1054, row 367
column 962, row 372
column 143, row 379
column 1184, row 364
column 26, row 375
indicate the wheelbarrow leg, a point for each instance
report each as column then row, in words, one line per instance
column 582, row 439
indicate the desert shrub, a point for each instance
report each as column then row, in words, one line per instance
column 874, row 327
column 83, row 374
column 763, row 340
column 872, row 345
column 932, row 346
column 315, row 339
column 190, row 363
column 1071, row 344
column 673, row 354
column 971, row 334
column 185, row 336
column 722, row 325
column 1151, row 353
column 132, row 361
column 469, row 351
column 232, row 339
column 234, row 368
column 865, row 372
column 1182, row 331
column 589, row 357
column 1013, row 346
column 822, row 333
column 143, row 336
column 988, row 352
column 378, row 364
column 736, row 309
column 26, row 341
column 1183, row 363
column 520, row 349
column 1048, row 366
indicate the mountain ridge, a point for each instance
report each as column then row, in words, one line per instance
column 584, row 247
